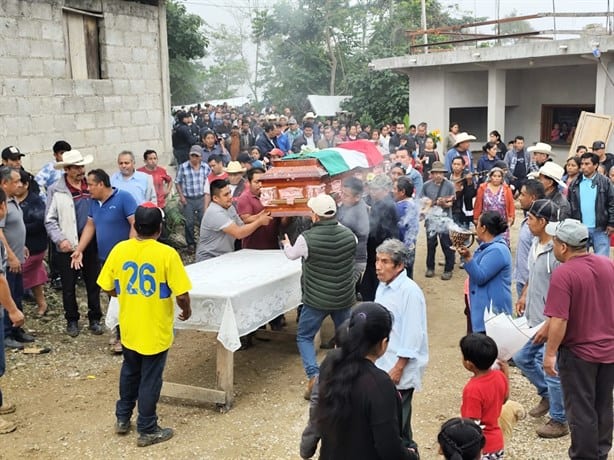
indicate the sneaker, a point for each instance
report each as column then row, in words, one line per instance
column 21, row 336
column 10, row 342
column 95, row 327
column 122, row 426
column 56, row 283
column 307, row 394
column 7, row 408
column 429, row 273
column 552, row 429
column 541, row 409
column 6, row 426
column 446, row 276
column 156, row 436
column 72, row 329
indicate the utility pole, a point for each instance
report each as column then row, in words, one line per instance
column 426, row 38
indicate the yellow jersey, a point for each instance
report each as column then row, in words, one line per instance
column 146, row 276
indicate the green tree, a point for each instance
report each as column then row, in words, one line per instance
column 229, row 69
column 186, row 44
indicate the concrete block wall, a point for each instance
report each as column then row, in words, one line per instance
column 40, row 103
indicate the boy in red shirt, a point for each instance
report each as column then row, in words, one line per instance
column 486, row 391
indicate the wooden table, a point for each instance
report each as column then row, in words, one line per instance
column 234, row 295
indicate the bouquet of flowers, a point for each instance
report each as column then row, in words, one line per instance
column 435, row 135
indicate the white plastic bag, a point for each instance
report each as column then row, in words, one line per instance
column 112, row 318
column 510, row 334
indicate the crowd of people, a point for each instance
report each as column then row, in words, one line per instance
column 358, row 246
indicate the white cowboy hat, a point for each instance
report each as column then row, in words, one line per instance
column 553, row 171
column 73, row 158
column 463, row 137
column 309, row 115
column 234, row 167
column 540, row 147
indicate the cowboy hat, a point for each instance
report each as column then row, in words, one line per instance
column 234, row 167
column 438, row 166
column 540, row 147
column 553, row 171
column 463, row 137
column 309, row 115
column 73, row 158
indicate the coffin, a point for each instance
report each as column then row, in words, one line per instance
column 289, row 184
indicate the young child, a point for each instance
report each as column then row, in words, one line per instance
column 16, row 317
column 461, row 439
column 486, row 391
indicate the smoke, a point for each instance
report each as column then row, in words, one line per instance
column 438, row 221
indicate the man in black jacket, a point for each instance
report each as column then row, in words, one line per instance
column 183, row 138
column 591, row 201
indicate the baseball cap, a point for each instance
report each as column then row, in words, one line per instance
column 598, row 145
column 292, row 121
column 569, row 231
column 147, row 215
column 545, row 209
column 11, row 153
column 196, row 150
column 323, row 205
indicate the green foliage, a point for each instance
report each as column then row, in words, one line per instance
column 186, row 42
column 229, row 69
column 325, row 46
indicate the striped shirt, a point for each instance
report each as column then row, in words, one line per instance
column 192, row 181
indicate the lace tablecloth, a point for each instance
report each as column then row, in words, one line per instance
column 238, row 292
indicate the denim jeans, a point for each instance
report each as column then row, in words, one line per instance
column 309, row 323
column 140, row 379
column 15, row 282
column 599, row 241
column 530, row 360
column 193, row 211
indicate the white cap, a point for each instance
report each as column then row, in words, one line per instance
column 323, row 205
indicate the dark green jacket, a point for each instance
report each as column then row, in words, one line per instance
column 328, row 271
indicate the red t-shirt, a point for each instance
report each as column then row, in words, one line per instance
column 582, row 292
column 264, row 237
column 483, row 398
column 160, row 178
column 211, row 177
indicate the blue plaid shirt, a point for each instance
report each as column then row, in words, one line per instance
column 46, row 177
column 192, row 181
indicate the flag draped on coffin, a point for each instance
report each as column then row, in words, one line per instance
column 349, row 155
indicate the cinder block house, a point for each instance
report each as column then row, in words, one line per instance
column 91, row 72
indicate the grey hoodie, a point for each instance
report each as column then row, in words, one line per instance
column 540, row 272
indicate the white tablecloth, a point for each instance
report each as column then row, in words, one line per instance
column 236, row 293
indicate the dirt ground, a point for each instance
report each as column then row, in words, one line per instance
column 66, row 398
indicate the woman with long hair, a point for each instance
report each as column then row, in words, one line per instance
column 572, row 170
column 495, row 138
column 358, row 410
column 495, row 195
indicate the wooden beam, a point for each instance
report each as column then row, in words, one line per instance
column 192, row 393
column 225, row 374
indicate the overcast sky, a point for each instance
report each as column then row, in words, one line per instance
column 221, row 12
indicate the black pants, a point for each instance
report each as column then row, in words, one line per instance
column 140, row 379
column 446, row 246
column 89, row 271
column 587, row 392
column 407, row 434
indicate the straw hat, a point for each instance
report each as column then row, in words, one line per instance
column 463, row 137
column 234, row 167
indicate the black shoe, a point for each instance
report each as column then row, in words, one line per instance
column 10, row 342
column 95, row 327
column 72, row 329
column 21, row 336
column 56, row 283
column 122, row 426
column 156, row 436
